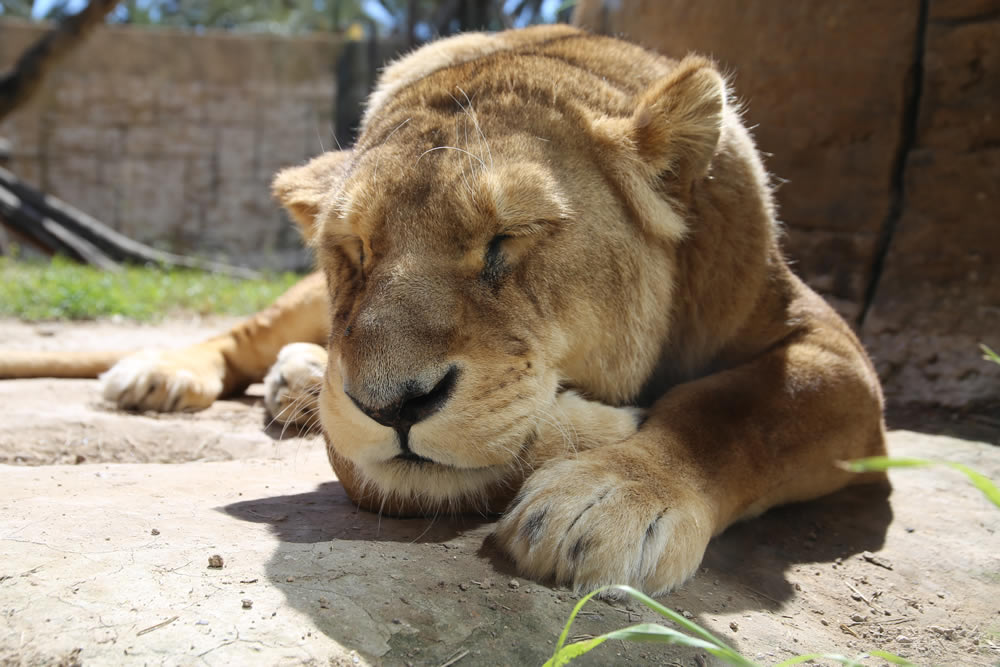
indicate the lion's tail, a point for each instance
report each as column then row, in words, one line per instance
column 57, row 364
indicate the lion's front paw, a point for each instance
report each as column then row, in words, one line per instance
column 291, row 387
column 602, row 519
column 165, row 381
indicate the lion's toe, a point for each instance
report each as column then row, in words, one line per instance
column 154, row 381
column 291, row 387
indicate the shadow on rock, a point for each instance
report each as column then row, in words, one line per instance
column 418, row 590
column 328, row 514
column 751, row 559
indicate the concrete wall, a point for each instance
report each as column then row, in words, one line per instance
column 172, row 137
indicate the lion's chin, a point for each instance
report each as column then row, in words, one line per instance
column 410, row 485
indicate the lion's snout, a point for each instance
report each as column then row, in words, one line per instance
column 408, row 402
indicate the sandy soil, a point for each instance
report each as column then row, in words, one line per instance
column 107, row 521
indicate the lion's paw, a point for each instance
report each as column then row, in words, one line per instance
column 165, row 381
column 587, row 522
column 291, row 387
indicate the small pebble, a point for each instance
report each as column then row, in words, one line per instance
column 463, row 586
column 687, row 614
column 858, row 618
column 514, row 583
column 289, row 579
column 824, row 621
column 903, row 639
column 215, row 562
column 247, row 603
column 733, row 626
column 154, row 532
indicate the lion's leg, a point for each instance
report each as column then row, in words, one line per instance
column 192, row 378
column 712, row 451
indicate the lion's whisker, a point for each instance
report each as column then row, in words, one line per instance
column 378, row 157
column 451, row 148
column 475, row 121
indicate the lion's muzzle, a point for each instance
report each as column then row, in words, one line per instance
column 412, row 402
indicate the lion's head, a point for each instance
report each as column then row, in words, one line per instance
column 510, row 224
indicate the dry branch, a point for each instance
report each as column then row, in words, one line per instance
column 56, row 226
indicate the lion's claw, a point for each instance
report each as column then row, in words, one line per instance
column 583, row 523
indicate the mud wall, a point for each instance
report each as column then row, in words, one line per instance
column 883, row 122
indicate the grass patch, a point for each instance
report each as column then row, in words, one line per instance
column 64, row 290
column 691, row 634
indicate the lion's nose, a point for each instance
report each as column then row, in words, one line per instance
column 414, row 403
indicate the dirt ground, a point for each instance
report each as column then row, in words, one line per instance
column 108, row 522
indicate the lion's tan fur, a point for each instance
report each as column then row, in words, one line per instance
column 583, row 232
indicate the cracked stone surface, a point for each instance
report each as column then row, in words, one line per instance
column 106, row 561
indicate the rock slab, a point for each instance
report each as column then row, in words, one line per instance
column 118, row 564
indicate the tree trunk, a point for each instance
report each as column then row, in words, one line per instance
column 24, row 79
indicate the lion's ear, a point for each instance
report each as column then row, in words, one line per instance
column 677, row 121
column 303, row 190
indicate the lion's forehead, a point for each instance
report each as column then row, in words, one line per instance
column 559, row 67
column 481, row 135
column 457, row 50
column 493, row 186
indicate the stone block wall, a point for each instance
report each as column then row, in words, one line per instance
column 172, row 137
column 883, row 121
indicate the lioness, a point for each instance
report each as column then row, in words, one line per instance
column 551, row 287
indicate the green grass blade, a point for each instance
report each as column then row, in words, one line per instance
column 891, row 658
column 666, row 612
column 643, row 632
column 980, row 481
column 652, row 632
column 882, row 463
column 575, row 650
column 988, row 354
column 724, row 651
column 572, row 617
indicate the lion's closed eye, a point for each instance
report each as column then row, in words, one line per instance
column 494, row 261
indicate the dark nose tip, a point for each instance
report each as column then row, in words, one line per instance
column 414, row 404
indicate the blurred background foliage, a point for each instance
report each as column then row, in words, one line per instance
column 421, row 20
